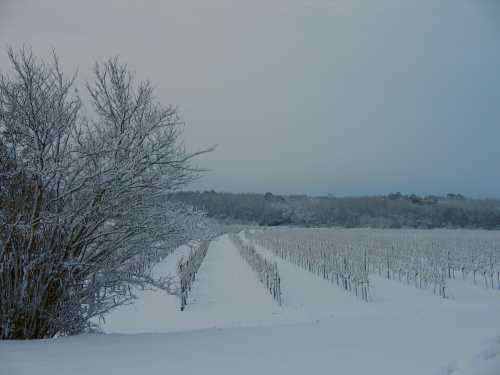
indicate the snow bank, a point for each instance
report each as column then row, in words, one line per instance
column 487, row 362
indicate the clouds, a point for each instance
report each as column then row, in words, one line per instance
column 348, row 97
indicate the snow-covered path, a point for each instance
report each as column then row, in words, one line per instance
column 227, row 292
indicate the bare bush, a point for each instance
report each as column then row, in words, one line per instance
column 84, row 200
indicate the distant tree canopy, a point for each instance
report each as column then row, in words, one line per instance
column 395, row 210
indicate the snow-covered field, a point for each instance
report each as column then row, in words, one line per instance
column 233, row 326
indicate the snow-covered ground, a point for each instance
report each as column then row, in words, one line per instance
column 233, row 326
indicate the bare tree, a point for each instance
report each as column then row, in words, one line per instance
column 84, row 201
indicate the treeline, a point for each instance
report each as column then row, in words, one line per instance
column 395, row 210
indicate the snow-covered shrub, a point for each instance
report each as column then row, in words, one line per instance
column 84, row 197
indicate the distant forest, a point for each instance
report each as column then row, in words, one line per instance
column 392, row 211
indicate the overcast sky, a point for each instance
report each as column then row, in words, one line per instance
column 346, row 97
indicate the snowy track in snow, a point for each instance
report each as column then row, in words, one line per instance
column 227, row 292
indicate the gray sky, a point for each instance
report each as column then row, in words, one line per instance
column 345, row 97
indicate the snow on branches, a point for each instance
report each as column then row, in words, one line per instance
column 85, row 205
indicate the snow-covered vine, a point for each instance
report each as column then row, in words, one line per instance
column 266, row 270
